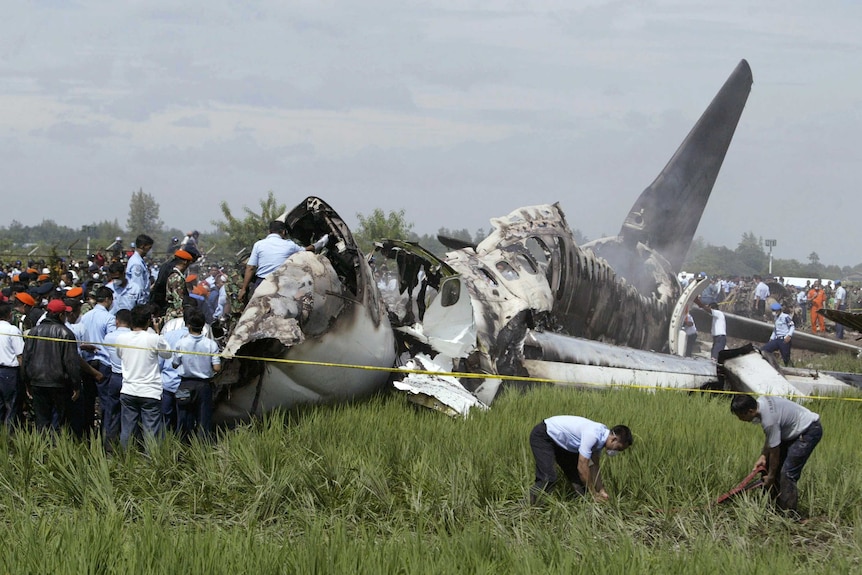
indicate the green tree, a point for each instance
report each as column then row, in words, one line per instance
column 378, row 226
column 143, row 215
column 750, row 252
column 242, row 233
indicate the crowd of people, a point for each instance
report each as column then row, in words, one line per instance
column 122, row 339
column 787, row 306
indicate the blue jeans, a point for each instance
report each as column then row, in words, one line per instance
column 196, row 416
column 109, row 401
column 793, row 456
column 8, row 395
column 140, row 414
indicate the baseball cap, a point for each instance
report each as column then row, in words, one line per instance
column 57, row 306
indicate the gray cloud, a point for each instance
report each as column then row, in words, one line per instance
column 455, row 112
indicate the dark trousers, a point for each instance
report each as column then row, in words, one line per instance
column 109, row 402
column 8, row 395
column 82, row 413
column 49, row 406
column 780, row 345
column 140, row 416
column 195, row 415
column 547, row 455
column 719, row 342
column 690, row 340
column 793, row 455
column 169, row 409
column 839, row 328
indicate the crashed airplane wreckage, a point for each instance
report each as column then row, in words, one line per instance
column 525, row 302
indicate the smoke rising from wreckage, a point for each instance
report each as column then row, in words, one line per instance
column 526, row 301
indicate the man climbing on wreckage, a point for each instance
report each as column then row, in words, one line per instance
column 792, row 432
column 781, row 334
column 268, row 254
column 575, row 444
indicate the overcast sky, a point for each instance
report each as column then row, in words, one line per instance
column 453, row 110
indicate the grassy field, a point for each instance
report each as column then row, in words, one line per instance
column 382, row 487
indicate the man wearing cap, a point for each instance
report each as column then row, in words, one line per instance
column 840, row 305
column 176, row 290
column 137, row 273
column 781, row 334
column 22, row 303
column 11, row 348
column 175, row 267
column 51, row 367
column 267, row 255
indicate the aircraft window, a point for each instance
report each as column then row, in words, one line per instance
column 563, row 268
column 450, row 292
column 489, row 276
column 527, row 263
column 506, row 270
column 538, row 250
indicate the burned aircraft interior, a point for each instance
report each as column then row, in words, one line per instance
column 527, row 301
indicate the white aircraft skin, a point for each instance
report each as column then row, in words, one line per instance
column 314, row 308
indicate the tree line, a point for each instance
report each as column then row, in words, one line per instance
column 236, row 231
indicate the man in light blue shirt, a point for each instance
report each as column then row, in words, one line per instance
column 781, row 334
column 126, row 294
column 196, row 360
column 575, row 444
column 170, row 377
column 267, row 255
column 109, row 392
column 137, row 272
column 95, row 325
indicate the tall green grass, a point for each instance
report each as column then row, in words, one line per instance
column 384, row 487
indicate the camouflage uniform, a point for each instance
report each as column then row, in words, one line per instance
column 176, row 293
column 20, row 321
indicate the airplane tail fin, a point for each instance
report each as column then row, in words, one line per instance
column 667, row 213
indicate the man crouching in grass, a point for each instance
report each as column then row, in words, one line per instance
column 575, row 444
column 792, row 432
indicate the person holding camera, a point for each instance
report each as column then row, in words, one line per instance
column 141, row 392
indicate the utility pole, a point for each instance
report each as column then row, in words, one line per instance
column 770, row 244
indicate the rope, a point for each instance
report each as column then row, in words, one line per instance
column 455, row 374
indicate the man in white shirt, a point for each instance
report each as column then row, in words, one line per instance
column 719, row 327
column 141, row 393
column 575, row 444
column 840, row 305
column 11, row 348
column 761, row 292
